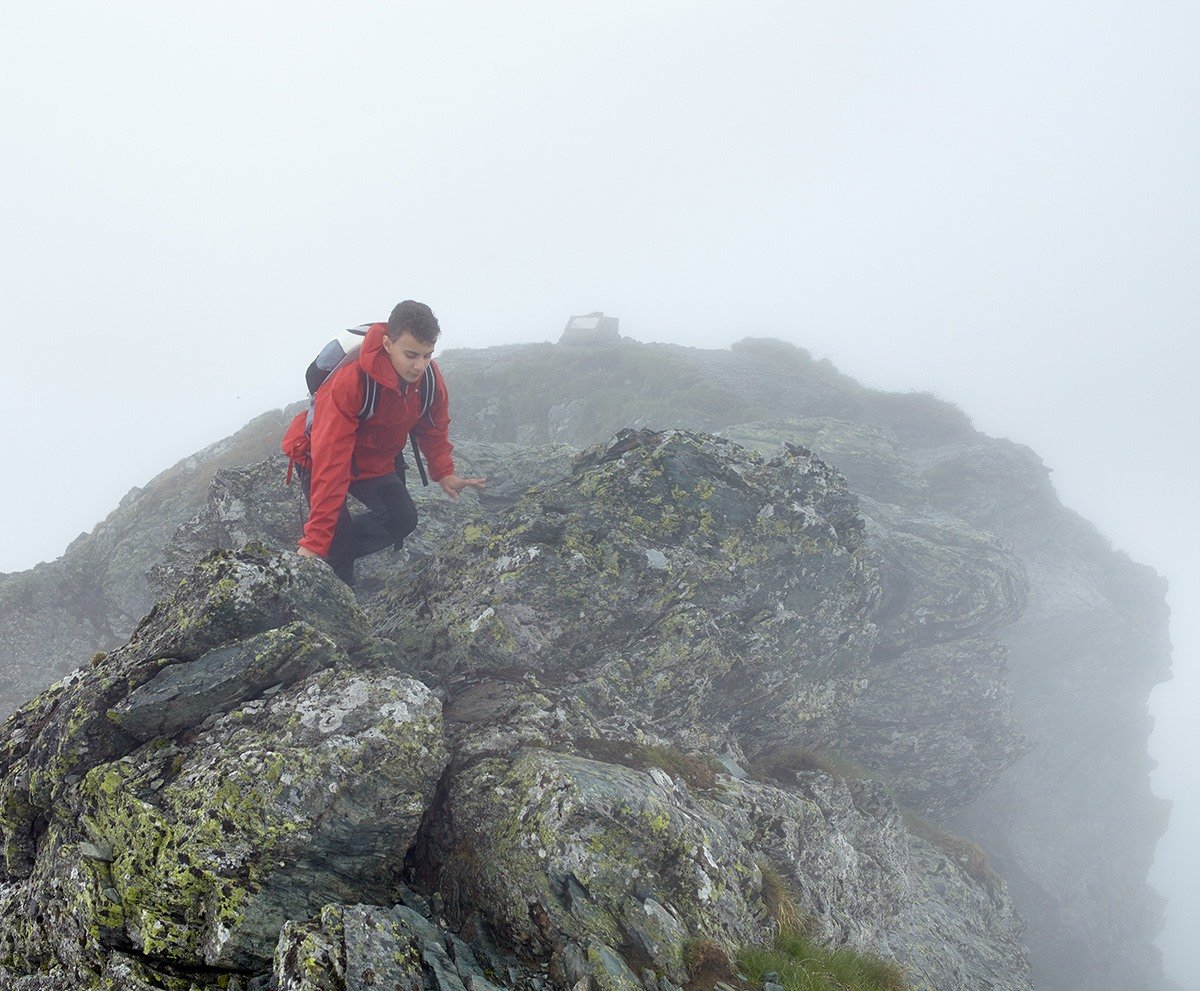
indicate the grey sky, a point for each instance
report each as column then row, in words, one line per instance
column 997, row 202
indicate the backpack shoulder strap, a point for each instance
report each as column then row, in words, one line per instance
column 428, row 391
column 428, row 388
column 370, row 396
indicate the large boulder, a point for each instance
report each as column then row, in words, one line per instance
column 247, row 758
column 58, row 737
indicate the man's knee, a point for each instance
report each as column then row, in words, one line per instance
column 403, row 519
column 401, row 512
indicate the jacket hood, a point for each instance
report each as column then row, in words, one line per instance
column 374, row 360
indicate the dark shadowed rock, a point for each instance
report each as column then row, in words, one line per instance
column 364, row 947
column 185, row 694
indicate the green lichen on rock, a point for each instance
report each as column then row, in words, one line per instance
column 211, row 849
column 587, row 843
column 310, row 955
column 609, row 971
column 369, row 946
column 629, row 560
column 234, row 594
column 175, row 900
column 931, row 709
column 230, row 596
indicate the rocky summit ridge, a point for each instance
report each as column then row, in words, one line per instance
column 577, row 743
column 994, row 683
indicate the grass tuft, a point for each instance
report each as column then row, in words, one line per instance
column 781, row 903
column 967, row 854
column 707, row 964
column 803, row 965
column 800, row 962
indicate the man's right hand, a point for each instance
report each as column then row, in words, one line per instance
column 305, row 552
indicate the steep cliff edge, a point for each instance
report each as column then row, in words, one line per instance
column 1085, row 654
column 569, row 749
column 1072, row 824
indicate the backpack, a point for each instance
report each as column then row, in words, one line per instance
column 344, row 350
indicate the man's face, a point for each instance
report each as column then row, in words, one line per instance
column 410, row 357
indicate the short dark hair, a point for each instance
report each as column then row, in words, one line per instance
column 417, row 319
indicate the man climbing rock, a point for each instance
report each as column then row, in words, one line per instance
column 351, row 439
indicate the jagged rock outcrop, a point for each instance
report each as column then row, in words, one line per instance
column 674, row 590
column 1083, row 657
column 1071, row 825
column 263, row 775
column 673, row 579
column 239, row 763
column 229, row 493
column 936, row 716
column 932, row 712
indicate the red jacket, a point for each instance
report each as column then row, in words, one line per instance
column 339, row 449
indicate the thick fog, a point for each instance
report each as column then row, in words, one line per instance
column 996, row 202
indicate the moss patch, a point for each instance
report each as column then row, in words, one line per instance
column 698, row 772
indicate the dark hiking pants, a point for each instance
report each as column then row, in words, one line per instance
column 391, row 517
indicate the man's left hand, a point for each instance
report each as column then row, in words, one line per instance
column 452, row 485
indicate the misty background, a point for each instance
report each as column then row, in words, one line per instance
column 996, row 202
